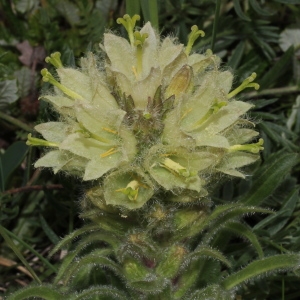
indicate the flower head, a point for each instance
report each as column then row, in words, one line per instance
column 153, row 116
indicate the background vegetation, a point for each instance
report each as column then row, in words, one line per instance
column 38, row 208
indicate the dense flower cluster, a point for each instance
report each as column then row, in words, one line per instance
column 152, row 116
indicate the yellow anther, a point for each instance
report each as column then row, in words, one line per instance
column 185, row 113
column 131, row 190
column 109, row 152
column 134, row 72
column 175, row 167
column 109, row 130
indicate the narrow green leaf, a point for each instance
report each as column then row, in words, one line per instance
column 68, row 239
column 2, row 182
column 49, row 232
column 258, row 9
column 278, row 69
column 282, row 216
column 88, row 240
column 212, row 292
column 150, row 12
column 269, row 176
column 12, row 158
column 244, row 231
column 133, row 7
column 288, row 1
column 44, row 260
column 259, row 267
column 209, row 253
column 216, row 225
column 108, row 291
column 96, row 258
column 239, row 11
column 18, row 253
column 68, row 259
column 215, row 25
column 42, row 292
column 237, row 55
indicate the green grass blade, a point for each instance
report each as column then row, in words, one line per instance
column 42, row 292
column 133, row 7
column 239, row 11
column 215, row 26
column 237, row 55
column 259, row 267
column 269, row 176
column 278, row 69
column 48, row 231
column 150, row 12
column 108, row 291
column 242, row 230
column 18, row 253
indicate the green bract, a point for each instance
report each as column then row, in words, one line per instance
column 151, row 117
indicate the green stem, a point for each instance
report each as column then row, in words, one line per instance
column 12, row 245
column 15, row 121
column 275, row 91
column 214, row 33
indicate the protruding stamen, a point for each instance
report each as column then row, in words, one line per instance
column 54, row 59
column 245, row 84
column 213, row 110
column 217, row 106
column 109, row 152
column 131, row 190
column 129, row 24
column 192, row 38
column 89, row 134
column 39, row 142
column 47, row 77
column 253, row 148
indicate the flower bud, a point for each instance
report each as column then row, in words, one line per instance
column 180, row 82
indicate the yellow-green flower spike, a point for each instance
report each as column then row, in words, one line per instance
column 54, row 59
column 129, row 24
column 192, row 38
column 47, row 77
column 245, row 84
column 131, row 190
column 31, row 141
column 253, row 148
